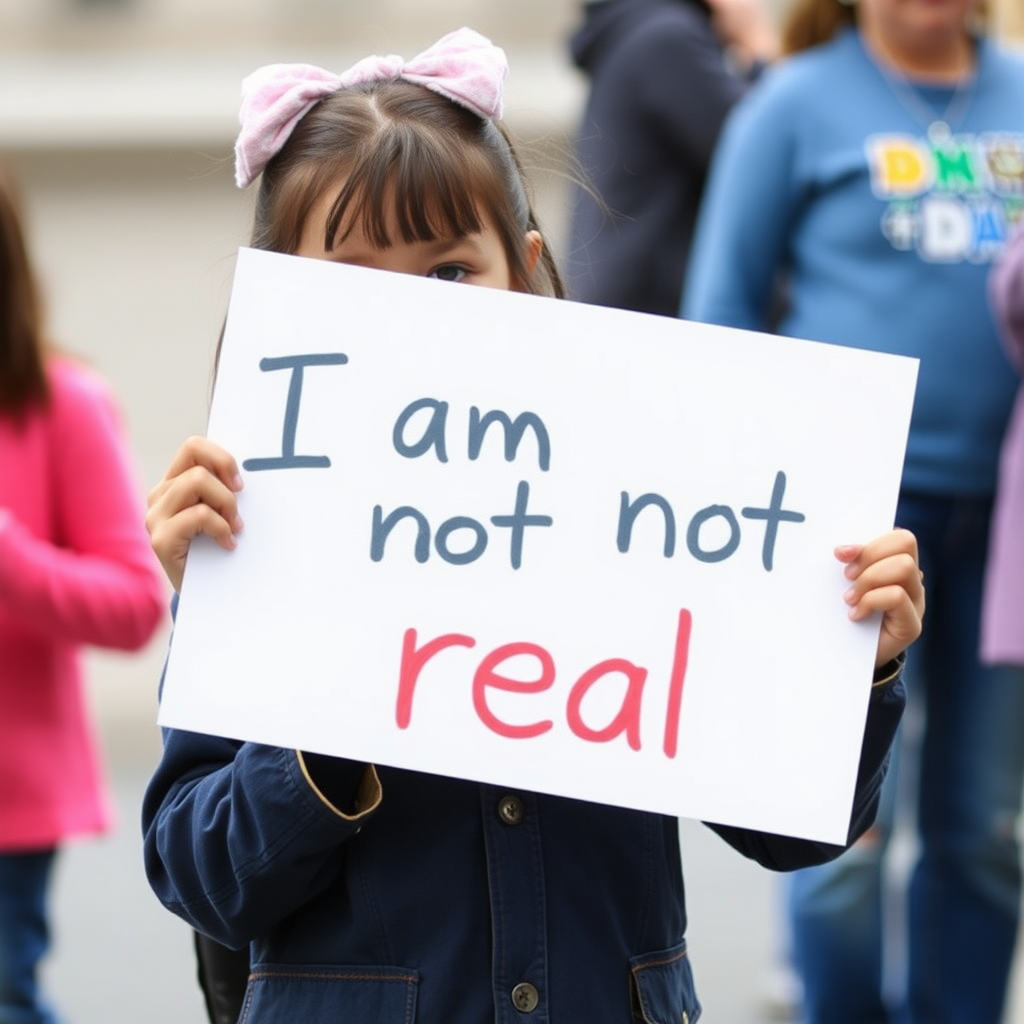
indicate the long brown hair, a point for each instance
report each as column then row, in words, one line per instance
column 406, row 152
column 22, row 346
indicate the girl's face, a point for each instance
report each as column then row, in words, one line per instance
column 477, row 259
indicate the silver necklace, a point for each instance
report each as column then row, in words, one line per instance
column 938, row 128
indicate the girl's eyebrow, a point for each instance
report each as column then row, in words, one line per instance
column 434, row 248
column 439, row 245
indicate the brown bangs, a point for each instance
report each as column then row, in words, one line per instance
column 415, row 184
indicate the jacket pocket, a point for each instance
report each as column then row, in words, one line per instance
column 326, row 994
column 662, row 985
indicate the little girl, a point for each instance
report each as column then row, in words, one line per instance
column 372, row 894
column 76, row 571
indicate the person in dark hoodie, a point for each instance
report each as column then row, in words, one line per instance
column 663, row 75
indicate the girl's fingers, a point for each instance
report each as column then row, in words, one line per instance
column 173, row 535
column 859, row 557
column 198, row 495
column 196, row 460
column 891, row 598
column 901, row 620
column 885, row 578
column 196, row 485
column 895, row 570
column 201, row 452
column 902, row 611
column 171, row 538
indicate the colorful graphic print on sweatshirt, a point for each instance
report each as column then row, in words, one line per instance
column 950, row 200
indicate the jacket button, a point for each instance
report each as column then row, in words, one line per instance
column 525, row 997
column 511, row 812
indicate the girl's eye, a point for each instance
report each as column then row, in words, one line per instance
column 448, row 272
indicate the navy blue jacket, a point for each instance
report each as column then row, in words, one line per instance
column 383, row 896
column 660, row 88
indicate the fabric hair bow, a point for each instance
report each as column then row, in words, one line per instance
column 464, row 66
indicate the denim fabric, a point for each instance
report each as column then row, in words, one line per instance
column 963, row 770
column 24, row 935
column 439, row 900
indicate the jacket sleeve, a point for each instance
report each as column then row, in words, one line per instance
column 749, row 204
column 237, row 835
column 1006, row 290
column 784, row 853
column 98, row 582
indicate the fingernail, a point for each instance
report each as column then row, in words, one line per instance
column 237, row 483
column 849, row 595
column 237, row 525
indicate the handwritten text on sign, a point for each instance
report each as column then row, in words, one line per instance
column 541, row 544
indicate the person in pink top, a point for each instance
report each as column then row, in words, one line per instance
column 1002, row 625
column 76, row 568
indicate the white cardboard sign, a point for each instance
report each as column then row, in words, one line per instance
column 541, row 544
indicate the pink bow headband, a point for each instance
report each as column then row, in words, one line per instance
column 463, row 66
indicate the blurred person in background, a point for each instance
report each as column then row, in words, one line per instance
column 663, row 75
column 1002, row 622
column 877, row 171
column 75, row 568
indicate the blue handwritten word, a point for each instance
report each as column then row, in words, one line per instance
column 516, row 523
column 433, row 435
column 773, row 515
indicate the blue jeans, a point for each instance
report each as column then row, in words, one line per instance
column 962, row 760
column 24, row 935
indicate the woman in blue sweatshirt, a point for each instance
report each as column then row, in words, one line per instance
column 876, row 174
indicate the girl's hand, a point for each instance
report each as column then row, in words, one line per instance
column 198, row 494
column 884, row 577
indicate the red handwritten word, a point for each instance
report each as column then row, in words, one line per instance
column 488, row 677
